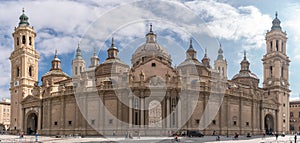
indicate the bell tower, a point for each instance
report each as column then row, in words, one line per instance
column 78, row 66
column 220, row 64
column 24, row 69
column 276, row 72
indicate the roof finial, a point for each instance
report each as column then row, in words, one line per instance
column 55, row 56
column 276, row 14
column 151, row 27
column 95, row 52
column 23, row 10
column 245, row 58
column 205, row 55
column 112, row 42
column 191, row 43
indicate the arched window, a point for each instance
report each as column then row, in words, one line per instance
column 18, row 72
column 282, row 70
column 271, row 71
column 271, row 46
column 23, row 39
column 30, row 70
column 223, row 71
column 277, row 45
column 17, row 41
column 76, row 70
column 30, row 41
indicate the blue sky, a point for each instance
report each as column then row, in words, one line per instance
column 238, row 25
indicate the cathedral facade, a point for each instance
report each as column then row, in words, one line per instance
column 150, row 96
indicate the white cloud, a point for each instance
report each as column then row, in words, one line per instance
column 292, row 26
column 245, row 23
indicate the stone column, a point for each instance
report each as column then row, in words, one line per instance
column 130, row 110
column 262, row 119
column 280, row 45
column 39, row 119
column 50, row 115
column 179, row 113
column 227, row 115
column 62, row 114
column 240, row 112
column 142, row 111
column 23, row 120
column 276, row 121
column 76, row 116
column 102, row 111
column 168, row 112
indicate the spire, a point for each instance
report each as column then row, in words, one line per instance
column 276, row 23
column 151, row 31
column 112, row 42
column 94, row 59
column 191, row 53
column 55, row 55
column 245, row 63
column 151, row 37
column 191, row 45
column 205, row 59
column 112, row 46
column 23, row 19
column 78, row 52
column 112, row 51
column 95, row 54
column 220, row 53
column 55, row 62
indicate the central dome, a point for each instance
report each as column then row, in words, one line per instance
column 150, row 49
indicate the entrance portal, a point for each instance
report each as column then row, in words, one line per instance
column 32, row 120
column 269, row 124
column 155, row 117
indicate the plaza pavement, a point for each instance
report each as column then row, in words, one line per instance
column 206, row 139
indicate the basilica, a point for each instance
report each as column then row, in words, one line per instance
column 149, row 97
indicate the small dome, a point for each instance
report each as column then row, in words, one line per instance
column 23, row 19
column 78, row 53
column 245, row 75
column 150, row 48
column 276, row 23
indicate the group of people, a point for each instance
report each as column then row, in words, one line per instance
column 235, row 137
column 21, row 135
column 129, row 135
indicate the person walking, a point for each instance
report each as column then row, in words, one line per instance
column 295, row 138
column 36, row 136
column 276, row 135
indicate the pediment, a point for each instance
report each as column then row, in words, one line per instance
column 30, row 99
column 270, row 100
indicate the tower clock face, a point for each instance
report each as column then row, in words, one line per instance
column 283, row 83
column 270, row 82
